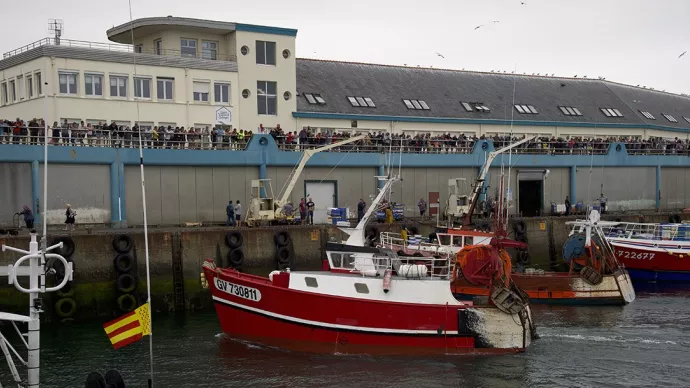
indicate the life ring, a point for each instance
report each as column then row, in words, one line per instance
column 519, row 226
column 372, row 233
column 67, row 246
column 126, row 303
column 125, row 283
column 485, row 145
column 122, row 243
column 234, row 239
column 283, row 255
column 124, row 263
column 263, row 141
column 281, row 238
column 413, row 230
column 67, row 291
column 65, row 307
column 235, row 258
column 618, row 147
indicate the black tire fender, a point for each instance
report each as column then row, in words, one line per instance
column 67, row 291
column 283, row 255
column 124, row 263
column 234, row 239
column 235, row 258
column 123, row 243
column 67, row 246
column 126, row 303
column 282, row 238
column 65, row 307
column 125, row 283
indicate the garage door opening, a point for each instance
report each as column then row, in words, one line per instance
column 530, row 194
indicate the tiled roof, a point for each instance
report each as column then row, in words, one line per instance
column 444, row 90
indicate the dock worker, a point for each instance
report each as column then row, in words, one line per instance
column 238, row 213
column 389, row 215
column 422, row 206
column 230, row 212
column 310, row 211
column 360, row 209
column 28, row 217
column 567, row 205
column 602, row 203
column 403, row 235
column 303, row 211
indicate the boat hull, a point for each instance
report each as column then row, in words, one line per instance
column 561, row 289
column 652, row 260
column 306, row 321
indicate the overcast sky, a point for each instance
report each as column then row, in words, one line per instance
column 629, row 41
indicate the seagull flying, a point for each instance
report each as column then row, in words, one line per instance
column 439, row 54
column 682, row 54
column 523, row 3
column 495, row 21
column 478, row 27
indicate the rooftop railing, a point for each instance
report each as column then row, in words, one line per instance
column 118, row 47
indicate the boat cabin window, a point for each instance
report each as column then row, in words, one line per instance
column 311, row 282
column 457, row 241
column 343, row 260
column 469, row 240
column 443, row 239
column 361, row 288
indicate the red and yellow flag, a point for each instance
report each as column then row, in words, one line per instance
column 129, row 328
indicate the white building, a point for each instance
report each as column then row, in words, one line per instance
column 181, row 72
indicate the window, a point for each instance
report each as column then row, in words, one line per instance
column 475, row 106
column 188, row 47
column 286, row 53
column 221, row 92
column 361, row 288
column 570, row 111
column 164, row 88
column 142, row 87
column 360, row 101
column 244, row 50
column 68, row 83
column 139, row 48
column 201, row 91
column 369, row 101
column 526, row 109
column 311, row 282
column 5, row 100
column 265, row 53
column 158, row 47
column 609, row 112
column 30, row 86
column 310, row 98
column 93, row 84
column 209, row 50
column 118, row 86
column 246, row 93
column 687, row 119
column 20, row 83
column 648, row 115
column 416, row 104
column 287, row 95
column 267, row 103
column 39, row 84
column 13, row 92
column 669, row 118
column 354, row 101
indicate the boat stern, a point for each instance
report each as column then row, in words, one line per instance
column 495, row 329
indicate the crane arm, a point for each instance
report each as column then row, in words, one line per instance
column 485, row 170
column 306, row 155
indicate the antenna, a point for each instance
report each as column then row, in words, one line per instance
column 56, row 26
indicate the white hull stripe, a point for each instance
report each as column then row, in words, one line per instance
column 332, row 326
column 650, row 245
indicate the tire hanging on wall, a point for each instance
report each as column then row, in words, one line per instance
column 235, row 258
column 519, row 227
column 282, row 238
column 67, row 246
column 124, row 263
column 59, row 268
column 67, row 291
column 125, row 283
column 126, row 303
column 65, row 307
column 283, row 255
column 234, row 239
column 122, row 243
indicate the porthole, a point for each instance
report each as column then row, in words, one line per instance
column 246, row 93
column 286, row 53
column 287, row 96
column 244, row 50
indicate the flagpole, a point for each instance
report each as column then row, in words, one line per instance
column 143, row 199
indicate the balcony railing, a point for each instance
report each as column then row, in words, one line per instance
column 126, row 48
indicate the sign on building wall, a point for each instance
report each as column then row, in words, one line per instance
column 223, row 116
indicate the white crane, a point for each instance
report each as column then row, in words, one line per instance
column 265, row 208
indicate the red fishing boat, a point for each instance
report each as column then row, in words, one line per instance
column 369, row 301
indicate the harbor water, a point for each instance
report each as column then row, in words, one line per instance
column 645, row 344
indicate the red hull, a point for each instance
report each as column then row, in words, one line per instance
column 652, row 259
column 306, row 321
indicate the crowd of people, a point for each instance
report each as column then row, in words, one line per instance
column 219, row 137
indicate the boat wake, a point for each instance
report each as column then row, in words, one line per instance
column 595, row 338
